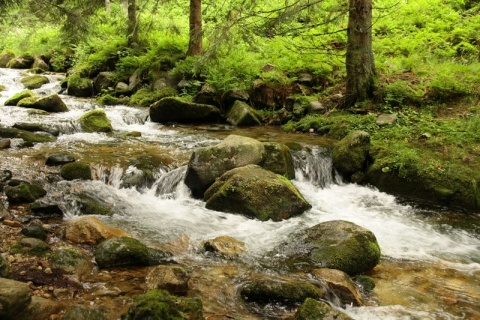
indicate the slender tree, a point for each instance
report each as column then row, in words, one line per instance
column 196, row 33
column 359, row 59
column 132, row 31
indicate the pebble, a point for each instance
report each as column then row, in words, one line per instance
column 22, row 273
column 13, row 223
column 48, row 270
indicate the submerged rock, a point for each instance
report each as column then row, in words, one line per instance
column 125, row 251
column 5, row 144
column 175, row 110
column 95, row 121
column 91, row 230
column 256, row 193
column 313, row 309
column 35, row 230
column 207, row 164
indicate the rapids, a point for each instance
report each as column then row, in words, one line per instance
column 430, row 266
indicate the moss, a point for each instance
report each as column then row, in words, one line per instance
column 154, row 305
column 278, row 159
column 313, row 309
column 27, row 102
column 24, row 193
column 13, row 101
column 109, row 100
column 66, row 260
column 145, row 97
column 2, row 88
column 76, row 170
column 34, row 82
column 95, row 121
column 91, row 206
column 365, row 282
column 79, row 87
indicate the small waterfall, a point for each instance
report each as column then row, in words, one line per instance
column 314, row 164
column 170, row 184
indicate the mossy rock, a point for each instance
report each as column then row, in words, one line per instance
column 24, row 193
column 91, row 206
column 34, row 81
column 160, row 305
column 278, row 159
column 37, row 127
column 104, row 81
column 334, row 244
column 255, row 193
column 27, row 136
column 351, row 153
column 5, row 58
column 289, row 293
column 109, row 100
column 76, row 170
column 145, row 97
column 95, row 121
column 241, row 114
column 35, row 230
column 2, row 88
column 175, row 110
column 51, row 103
column 79, row 87
column 13, row 101
column 21, row 62
column 5, row 268
column 39, row 65
column 125, row 251
column 31, row 246
column 313, row 309
column 366, row 283
column 59, row 159
column 80, row 312
column 67, row 261
column 207, row 164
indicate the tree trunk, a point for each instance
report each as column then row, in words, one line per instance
column 132, row 32
column 107, row 6
column 360, row 63
column 195, row 42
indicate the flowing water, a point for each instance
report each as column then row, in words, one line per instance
column 430, row 266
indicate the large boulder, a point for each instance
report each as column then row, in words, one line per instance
column 175, row 110
column 279, row 159
column 159, row 304
column 51, row 103
column 13, row 101
column 336, row 244
column 241, row 114
column 24, row 192
column 256, row 193
column 91, row 230
column 79, row 87
column 125, row 251
column 95, row 121
column 15, row 297
column 350, row 154
column 34, row 81
column 21, row 62
column 207, row 164
column 104, row 81
column 76, row 170
column 5, row 57
column 40, row 64
column 313, row 309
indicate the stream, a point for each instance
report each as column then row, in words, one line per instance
column 430, row 267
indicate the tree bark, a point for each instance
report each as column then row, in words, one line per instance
column 107, row 6
column 360, row 63
column 132, row 32
column 196, row 36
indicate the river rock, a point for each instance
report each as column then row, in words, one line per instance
column 336, row 244
column 5, row 58
column 40, row 309
column 34, row 127
column 44, row 209
column 21, row 62
column 34, row 81
column 95, row 121
column 255, row 193
column 24, row 192
column 172, row 278
column 15, row 297
column 33, row 246
column 279, row 159
column 313, row 309
column 225, row 246
column 172, row 109
column 13, row 101
column 59, row 159
column 80, row 312
column 207, row 164
column 79, row 87
column 68, row 261
column 35, row 230
column 339, row 283
column 241, row 114
column 5, row 144
column 159, row 304
column 5, row 268
column 125, row 251
column 90, row 230
column 207, row 95
column 51, row 103
column 351, row 153
column 104, row 81
column 89, row 205
column 287, row 292
column 40, row 64
column 230, row 96
column 76, row 170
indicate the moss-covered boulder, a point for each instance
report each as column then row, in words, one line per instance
column 278, row 159
column 207, row 164
column 104, row 81
column 34, row 81
column 51, row 103
column 27, row 136
column 336, row 244
column 313, row 309
column 286, row 292
column 21, row 62
column 109, row 100
column 76, row 170
column 125, row 251
column 31, row 246
column 350, row 155
column 24, row 192
column 207, row 95
column 241, row 114
column 79, row 87
column 15, row 296
column 160, row 305
column 89, row 205
column 68, row 261
column 175, row 110
column 95, row 121
column 145, row 96
column 255, row 193
column 40, row 64
column 5, row 58
column 13, row 101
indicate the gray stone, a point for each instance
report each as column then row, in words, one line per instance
column 15, row 297
column 386, row 119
